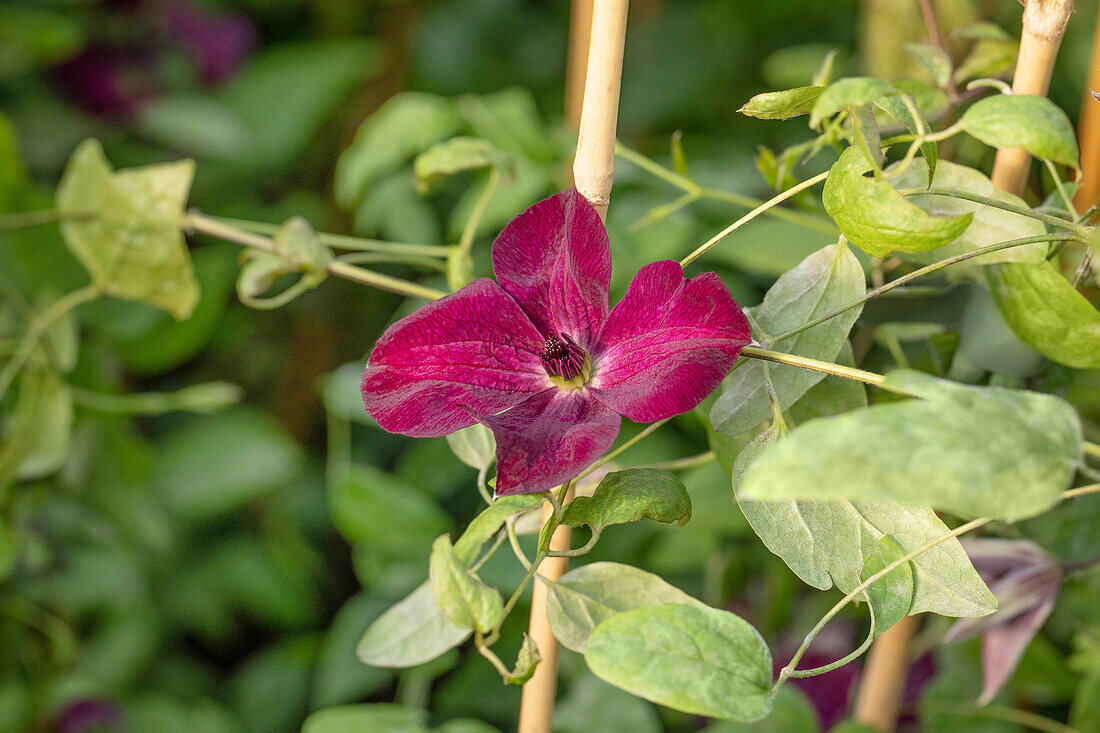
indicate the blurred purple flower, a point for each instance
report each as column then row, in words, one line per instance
column 540, row 359
column 86, row 716
column 104, row 81
column 219, row 42
column 1026, row 580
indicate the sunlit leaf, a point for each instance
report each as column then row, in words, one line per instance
column 782, row 105
column 878, row 219
column 973, row 451
column 698, row 660
column 1024, row 121
column 584, row 597
column 413, row 631
column 466, row 601
column 126, row 228
column 630, row 495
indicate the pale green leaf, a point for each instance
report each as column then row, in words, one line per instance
column 823, row 541
column 989, row 225
column 413, row 631
column 988, row 58
column 376, row 718
column 526, row 662
column 466, row 601
column 827, row 279
column 126, row 229
column 371, row 506
column 48, row 445
column 1048, row 313
column 1024, row 121
column 853, row 91
column 690, row 658
column 973, row 451
column 584, row 597
column 933, row 59
column 402, row 127
column 486, row 524
column 897, row 109
column 630, row 495
column 782, row 105
column 474, row 446
column 890, row 596
column 454, row 156
column 878, row 219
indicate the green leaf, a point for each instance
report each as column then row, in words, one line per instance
column 467, row 602
column 48, row 446
column 486, row 524
column 934, row 60
column 989, row 225
column 1048, row 313
column 892, row 595
column 782, row 105
column 526, row 662
column 630, row 495
column 584, row 597
column 402, row 127
column 341, row 395
column 371, row 506
column 988, row 58
column 339, row 676
column 896, row 108
column 454, row 156
column 853, row 91
column 376, row 718
column 285, row 94
column 413, row 631
column 827, row 279
column 878, row 219
column 474, row 446
column 242, row 454
column 823, row 541
column 690, row 658
column 973, row 451
column 590, row 704
column 792, row 711
column 1084, row 713
column 130, row 242
column 1024, row 121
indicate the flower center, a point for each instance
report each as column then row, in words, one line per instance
column 565, row 362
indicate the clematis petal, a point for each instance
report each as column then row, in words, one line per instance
column 667, row 344
column 555, row 260
column 467, row 355
column 1004, row 645
column 549, row 439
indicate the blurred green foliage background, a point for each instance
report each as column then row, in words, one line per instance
column 196, row 572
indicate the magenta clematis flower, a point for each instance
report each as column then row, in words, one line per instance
column 541, row 361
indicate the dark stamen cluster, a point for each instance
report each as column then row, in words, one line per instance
column 563, row 357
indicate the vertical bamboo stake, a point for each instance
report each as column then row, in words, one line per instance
column 593, row 172
column 884, row 675
column 1044, row 24
column 594, row 166
column 1088, row 132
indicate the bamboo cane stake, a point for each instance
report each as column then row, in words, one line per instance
column 1088, row 132
column 884, row 675
column 1044, row 24
column 593, row 173
column 594, row 166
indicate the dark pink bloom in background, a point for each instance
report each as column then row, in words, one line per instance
column 541, row 360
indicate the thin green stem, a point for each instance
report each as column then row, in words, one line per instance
column 692, row 188
column 1062, row 194
column 777, row 199
column 1024, row 718
column 1081, row 232
column 582, row 550
column 38, row 326
column 466, row 241
column 682, row 464
column 1091, row 449
column 26, row 219
column 837, row 370
column 196, row 398
column 611, row 456
column 199, row 222
column 859, row 589
column 482, row 487
column 343, row 241
column 382, row 258
column 789, row 672
column 513, row 539
column 927, row 270
column 1081, row 491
